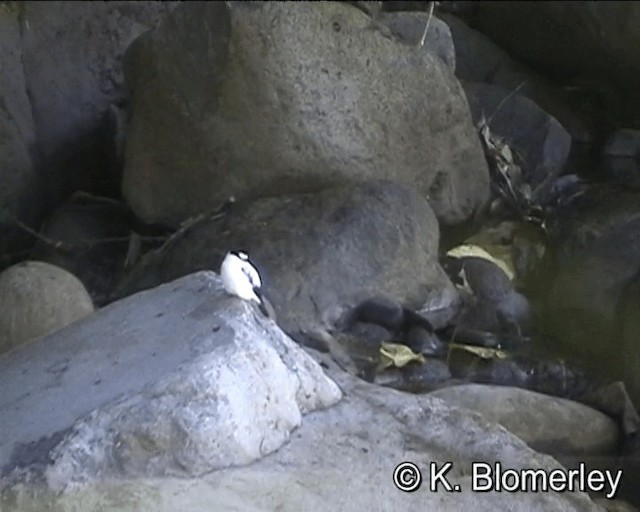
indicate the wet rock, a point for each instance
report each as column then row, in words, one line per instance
column 286, row 103
column 486, row 279
column 423, row 341
column 37, row 298
column 416, row 378
column 491, row 304
column 370, row 333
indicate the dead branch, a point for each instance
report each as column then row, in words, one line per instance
column 426, row 27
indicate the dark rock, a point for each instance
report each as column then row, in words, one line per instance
column 320, row 255
column 514, row 314
column 621, row 158
column 286, row 103
column 22, row 189
column 629, row 332
column 94, row 238
column 370, row 333
column 409, row 27
column 562, row 191
column 477, row 315
column 423, row 341
column 382, row 311
column 590, row 304
column 622, row 171
column 540, row 140
column 624, row 143
column 492, row 304
column 594, row 41
column 72, row 54
column 478, row 59
column 416, row 378
column 486, row 279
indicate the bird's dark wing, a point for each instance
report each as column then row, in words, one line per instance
column 253, row 276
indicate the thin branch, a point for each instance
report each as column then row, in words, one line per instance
column 116, row 239
column 87, row 196
column 426, row 27
column 56, row 244
column 503, row 101
column 62, row 246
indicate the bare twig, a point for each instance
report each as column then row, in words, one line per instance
column 66, row 247
column 133, row 251
column 503, row 101
column 184, row 227
column 82, row 195
column 116, row 239
column 56, row 244
column 426, row 27
column 196, row 219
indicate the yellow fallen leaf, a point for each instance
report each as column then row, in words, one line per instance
column 481, row 352
column 475, row 251
column 398, row 355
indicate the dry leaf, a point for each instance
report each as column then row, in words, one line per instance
column 481, row 352
column 398, row 355
column 470, row 250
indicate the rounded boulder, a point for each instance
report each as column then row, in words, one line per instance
column 37, row 298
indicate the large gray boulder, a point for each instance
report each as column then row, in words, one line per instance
column 61, row 69
column 343, row 458
column 72, row 53
column 179, row 380
column 320, row 254
column 549, row 424
column 409, row 27
column 37, row 298
column 273, row 98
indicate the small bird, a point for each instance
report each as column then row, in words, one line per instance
column 241, row 278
